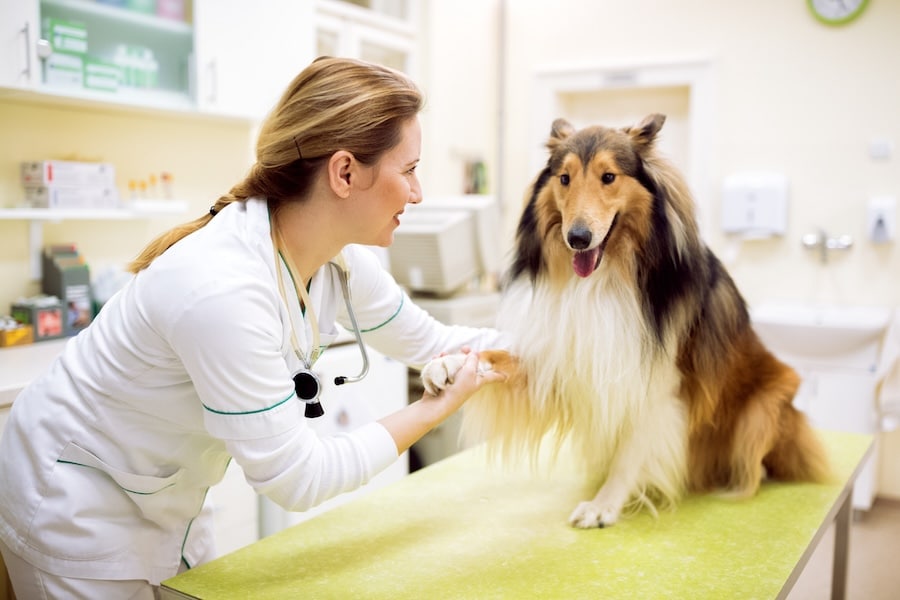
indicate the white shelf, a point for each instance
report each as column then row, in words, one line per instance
column 145, row 210
column 36, row 217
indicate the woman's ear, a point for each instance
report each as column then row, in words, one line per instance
column 340, row 172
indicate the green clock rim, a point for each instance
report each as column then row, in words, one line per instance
column 859, row 10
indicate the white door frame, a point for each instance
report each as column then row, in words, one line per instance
column 551, row 83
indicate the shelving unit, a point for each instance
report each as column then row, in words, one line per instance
column 36, row 218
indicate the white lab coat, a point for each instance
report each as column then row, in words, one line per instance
column 107, row 458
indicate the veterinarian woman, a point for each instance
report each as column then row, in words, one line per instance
column 107, row 458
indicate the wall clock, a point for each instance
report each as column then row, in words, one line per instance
column 837, row 12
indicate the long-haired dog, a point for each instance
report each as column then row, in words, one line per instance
column 631, row 341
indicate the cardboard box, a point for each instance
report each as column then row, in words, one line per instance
column 66, row 36
column 101, row 75
column 66, row 276
column 65, row 70
column 45, row 318
column 24, row 334
column 71, row 197
column 68, row 173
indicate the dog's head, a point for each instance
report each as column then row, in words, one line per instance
column 595, row 186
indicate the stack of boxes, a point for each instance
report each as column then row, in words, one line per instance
column 70, row 64
column 66, row 184
column 68, row 39
column 66, row 305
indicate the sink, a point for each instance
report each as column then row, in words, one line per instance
column 841, row 333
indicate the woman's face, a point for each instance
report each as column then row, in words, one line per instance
column 395, row 184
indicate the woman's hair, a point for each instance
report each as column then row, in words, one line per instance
column 333, row 104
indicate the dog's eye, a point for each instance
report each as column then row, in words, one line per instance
column 608, row 178
column 564, row 179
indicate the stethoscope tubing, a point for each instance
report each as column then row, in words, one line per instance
column 345, row 290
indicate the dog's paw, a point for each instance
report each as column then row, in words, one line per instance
column 589, row 515
column 439, row 373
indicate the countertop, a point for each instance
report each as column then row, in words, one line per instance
column 464, row 529
column 20, row 364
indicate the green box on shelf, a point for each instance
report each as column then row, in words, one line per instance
column 101, row 75
column 66, row 36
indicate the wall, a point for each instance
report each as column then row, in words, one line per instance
column 790, row 95
column 206, row 156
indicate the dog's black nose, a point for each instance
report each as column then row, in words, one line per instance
column 579, row 237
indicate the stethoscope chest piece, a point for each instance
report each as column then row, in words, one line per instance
column 308, row 389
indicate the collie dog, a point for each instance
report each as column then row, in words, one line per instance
column 630, row 341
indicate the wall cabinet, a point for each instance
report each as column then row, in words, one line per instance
column 226, row 61
column 20, row 25
column 244, row 62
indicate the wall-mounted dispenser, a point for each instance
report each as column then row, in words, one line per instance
column 754, row 204
column 881, row 219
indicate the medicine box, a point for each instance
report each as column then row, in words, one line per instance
column 68, row 173
column 66, row 36
column 45, row 318
column 66, row 276
column 65, row 70
column 101, row 75
column 61, row 197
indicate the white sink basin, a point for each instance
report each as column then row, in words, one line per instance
column 830, row 332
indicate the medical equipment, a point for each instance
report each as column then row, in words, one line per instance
column 306, row 382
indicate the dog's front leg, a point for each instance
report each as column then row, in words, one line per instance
column 623, row 480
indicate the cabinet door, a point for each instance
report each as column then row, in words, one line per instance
column 247, row 52
column 20, row 31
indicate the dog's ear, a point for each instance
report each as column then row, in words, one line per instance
column 560, row 131
column 644, row 133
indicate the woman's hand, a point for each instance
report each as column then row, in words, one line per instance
column 409, row 424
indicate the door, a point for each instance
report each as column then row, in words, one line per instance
column 244, row 58
column 20, row 31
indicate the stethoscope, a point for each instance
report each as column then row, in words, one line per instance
column 307, row 385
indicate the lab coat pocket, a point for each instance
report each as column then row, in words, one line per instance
column 91, row 505
column 146, row 491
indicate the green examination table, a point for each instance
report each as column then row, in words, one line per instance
column 466, row 528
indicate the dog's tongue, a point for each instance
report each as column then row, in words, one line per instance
column 585, row 262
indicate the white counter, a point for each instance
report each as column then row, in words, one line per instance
column 20, row 364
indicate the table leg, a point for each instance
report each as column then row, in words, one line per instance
column 841, row 547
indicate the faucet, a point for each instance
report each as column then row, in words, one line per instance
column 820, row 240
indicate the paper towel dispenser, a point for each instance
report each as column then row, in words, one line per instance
column 754, row 204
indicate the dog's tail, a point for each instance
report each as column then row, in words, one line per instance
column 798, row 453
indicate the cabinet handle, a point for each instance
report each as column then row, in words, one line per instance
column 27, row 71
column 213, row 81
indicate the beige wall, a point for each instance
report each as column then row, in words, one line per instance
column 205, row 156
column 789, row 95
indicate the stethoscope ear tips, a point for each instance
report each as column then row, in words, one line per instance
column 313, row 410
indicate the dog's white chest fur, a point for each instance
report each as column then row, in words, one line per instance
column 597, row 376
column 584, row 346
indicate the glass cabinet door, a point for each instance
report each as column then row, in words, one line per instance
column 119, row 50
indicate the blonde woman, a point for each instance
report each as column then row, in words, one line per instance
column 200, row 359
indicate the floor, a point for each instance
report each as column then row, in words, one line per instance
column 874, row 567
